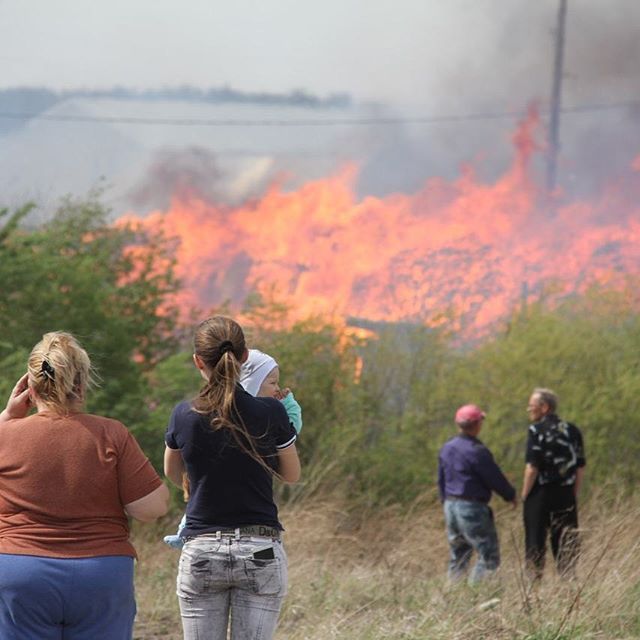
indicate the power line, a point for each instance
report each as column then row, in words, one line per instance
column 311, row 122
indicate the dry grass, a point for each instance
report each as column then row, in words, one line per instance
column 381, row 575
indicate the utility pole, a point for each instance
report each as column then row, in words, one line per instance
column 556, row 99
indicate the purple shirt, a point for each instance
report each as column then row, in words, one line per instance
column 466, row 469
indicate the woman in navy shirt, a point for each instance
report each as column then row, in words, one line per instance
column 233, row 567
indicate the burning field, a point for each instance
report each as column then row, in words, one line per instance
column 463, row 249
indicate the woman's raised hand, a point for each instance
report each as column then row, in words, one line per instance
column 19, row 401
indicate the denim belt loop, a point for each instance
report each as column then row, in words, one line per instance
column 257, row 530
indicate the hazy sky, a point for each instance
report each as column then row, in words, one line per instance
column 393, row 50
column 401, row 51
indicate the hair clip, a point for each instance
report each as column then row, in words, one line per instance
column 48, row 370
column 225, row 346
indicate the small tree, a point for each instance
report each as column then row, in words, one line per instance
column 106, row 284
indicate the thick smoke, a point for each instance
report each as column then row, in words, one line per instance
column 181, row 174
column 506, row 63
column 483, row 58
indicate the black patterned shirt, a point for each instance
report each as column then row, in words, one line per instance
column 556, row 449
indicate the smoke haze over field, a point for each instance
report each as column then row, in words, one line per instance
column 411, row 58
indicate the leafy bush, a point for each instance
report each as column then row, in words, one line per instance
column 78, row 274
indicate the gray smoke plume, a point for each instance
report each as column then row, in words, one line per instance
column 178, row 174
column 485, row 59
column 504, row 60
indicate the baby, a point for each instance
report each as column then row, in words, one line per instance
column 259, row 376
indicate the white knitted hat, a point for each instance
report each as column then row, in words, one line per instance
column 255, row 369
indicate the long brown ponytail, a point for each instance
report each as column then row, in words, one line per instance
column 219, row 343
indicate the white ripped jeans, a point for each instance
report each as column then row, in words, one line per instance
column 220, row 582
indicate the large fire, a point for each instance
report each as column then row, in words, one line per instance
column 462, row 248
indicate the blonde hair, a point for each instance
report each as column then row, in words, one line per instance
column 219, row 342
column 60, row 371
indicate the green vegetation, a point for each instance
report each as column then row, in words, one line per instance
column 586, row 349
column 365, row 538
column 376, row 410
column 104, row 284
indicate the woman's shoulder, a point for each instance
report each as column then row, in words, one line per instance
column 184, row 415
column 102, row 423
column 86, row 419
column 270, row 404
column 183, row 408
column 92, row 427
column 266, row 407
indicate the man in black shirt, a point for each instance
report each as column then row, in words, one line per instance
column 553, row 474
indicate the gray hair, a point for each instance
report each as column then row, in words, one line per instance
column 547, row 397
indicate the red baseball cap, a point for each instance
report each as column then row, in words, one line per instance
column 469, row 413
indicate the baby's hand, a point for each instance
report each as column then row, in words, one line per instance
column 281, row 394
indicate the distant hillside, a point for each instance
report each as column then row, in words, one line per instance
column 69, row 144
column 25, row 101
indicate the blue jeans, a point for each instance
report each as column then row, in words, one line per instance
column 220, row 581
column 470, row 527
column 66, row 598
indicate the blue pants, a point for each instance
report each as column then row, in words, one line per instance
column 66, row 598
column 470, row 527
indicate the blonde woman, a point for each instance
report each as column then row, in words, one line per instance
column 233, row 567
column 68, row 481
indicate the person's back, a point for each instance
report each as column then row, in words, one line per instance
column 469, row 470
column 69, row 501
column 227, row 486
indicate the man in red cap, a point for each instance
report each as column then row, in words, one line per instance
column 467, row 476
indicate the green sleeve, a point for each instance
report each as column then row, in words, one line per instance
column 293, row 411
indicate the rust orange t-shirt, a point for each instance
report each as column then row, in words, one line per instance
column 63, row 483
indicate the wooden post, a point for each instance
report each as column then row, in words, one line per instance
column 556, row 101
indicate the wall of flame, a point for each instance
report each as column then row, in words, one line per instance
column 462, row 249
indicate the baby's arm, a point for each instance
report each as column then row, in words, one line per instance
column 293, row 409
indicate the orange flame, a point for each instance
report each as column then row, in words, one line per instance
column 464, row 246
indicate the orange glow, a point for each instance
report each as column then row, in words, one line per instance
column 462, row 249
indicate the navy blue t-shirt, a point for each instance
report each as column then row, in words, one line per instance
column 228, row 488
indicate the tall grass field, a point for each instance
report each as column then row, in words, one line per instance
column 381, row 574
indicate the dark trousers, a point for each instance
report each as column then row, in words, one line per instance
column 551, row 509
